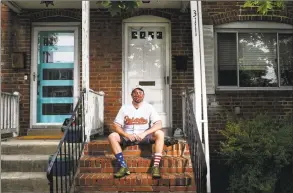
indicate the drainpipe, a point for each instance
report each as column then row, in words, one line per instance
column 204, row 98
column 85, row 61
column 13, row 6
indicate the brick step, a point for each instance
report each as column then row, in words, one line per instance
column 146, row 189
column 102, row 148
column 133, row 180
column 90, row 164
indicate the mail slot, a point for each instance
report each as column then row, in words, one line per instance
column 147, row 83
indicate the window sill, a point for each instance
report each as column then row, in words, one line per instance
column 231, row 88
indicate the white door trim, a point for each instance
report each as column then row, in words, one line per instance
column 150, row 23
column 34, row 69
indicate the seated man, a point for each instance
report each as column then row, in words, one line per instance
column 137, row 123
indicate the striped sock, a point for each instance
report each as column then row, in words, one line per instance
column 120, row 158
column 157, row 159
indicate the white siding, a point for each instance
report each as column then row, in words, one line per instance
column 208, row 35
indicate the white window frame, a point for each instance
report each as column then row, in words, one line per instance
column 247, row 27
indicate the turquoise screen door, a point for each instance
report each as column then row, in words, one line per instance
column 55, row 77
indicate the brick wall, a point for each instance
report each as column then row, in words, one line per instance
column 276, row 103
column 105, row 56
column 13, row 80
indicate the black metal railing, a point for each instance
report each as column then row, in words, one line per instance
column 194, row 141
column 64, row 163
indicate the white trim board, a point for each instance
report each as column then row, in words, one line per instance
column 36, row 28
column 254, row 25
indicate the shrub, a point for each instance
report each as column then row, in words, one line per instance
column 256, row 151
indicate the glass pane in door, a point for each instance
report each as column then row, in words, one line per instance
column 55, row 76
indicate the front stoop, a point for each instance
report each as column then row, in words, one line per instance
column 98, row 165
column 24, row 164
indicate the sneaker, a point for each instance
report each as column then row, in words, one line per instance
column 122, row 172
column 156, row 172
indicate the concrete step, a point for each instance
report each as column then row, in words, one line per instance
column 91, row 164
column 29, row 147
column 24, row 182
column 24, row 163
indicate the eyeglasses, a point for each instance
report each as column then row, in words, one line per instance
column 138, row 93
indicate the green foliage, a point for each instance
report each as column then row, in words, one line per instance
column 119, row 7
column 264, row 6
column 256, row 152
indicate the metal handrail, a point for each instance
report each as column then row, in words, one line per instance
column 63, row 164
column 194, row 141
column 9, row 113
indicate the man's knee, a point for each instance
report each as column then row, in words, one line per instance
column 114, row 137
column 159, row 134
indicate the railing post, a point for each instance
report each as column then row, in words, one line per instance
column 184, row 112
column 17, row 96
column 51, row 185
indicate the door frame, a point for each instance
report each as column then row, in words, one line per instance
column 54, row 26
column 148, row 21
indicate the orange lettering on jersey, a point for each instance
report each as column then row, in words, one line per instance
column 135, row 121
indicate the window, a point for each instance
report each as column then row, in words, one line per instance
column 255, row 59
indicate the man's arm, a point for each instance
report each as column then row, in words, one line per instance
column 118, row 129
column 156, row 126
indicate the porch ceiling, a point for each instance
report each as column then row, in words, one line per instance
column 22, row 4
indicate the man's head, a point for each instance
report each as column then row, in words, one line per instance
column 137, row 95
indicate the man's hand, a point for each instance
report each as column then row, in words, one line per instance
column 131, row 137
column 141, row 136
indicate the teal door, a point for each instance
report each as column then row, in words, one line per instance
column 55, row 77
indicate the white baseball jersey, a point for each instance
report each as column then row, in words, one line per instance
column 135, row 121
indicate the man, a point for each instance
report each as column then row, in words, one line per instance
column 137, row 123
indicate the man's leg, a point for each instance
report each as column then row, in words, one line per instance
column 159, row 145
column 114, row 140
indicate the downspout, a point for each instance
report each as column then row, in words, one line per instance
column 204, row 98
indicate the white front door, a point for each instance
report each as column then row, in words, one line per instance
column 147, row 65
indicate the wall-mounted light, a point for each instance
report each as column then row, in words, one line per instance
column 47, row 3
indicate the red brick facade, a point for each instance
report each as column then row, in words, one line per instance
column 106, row 57
column 13, row 80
